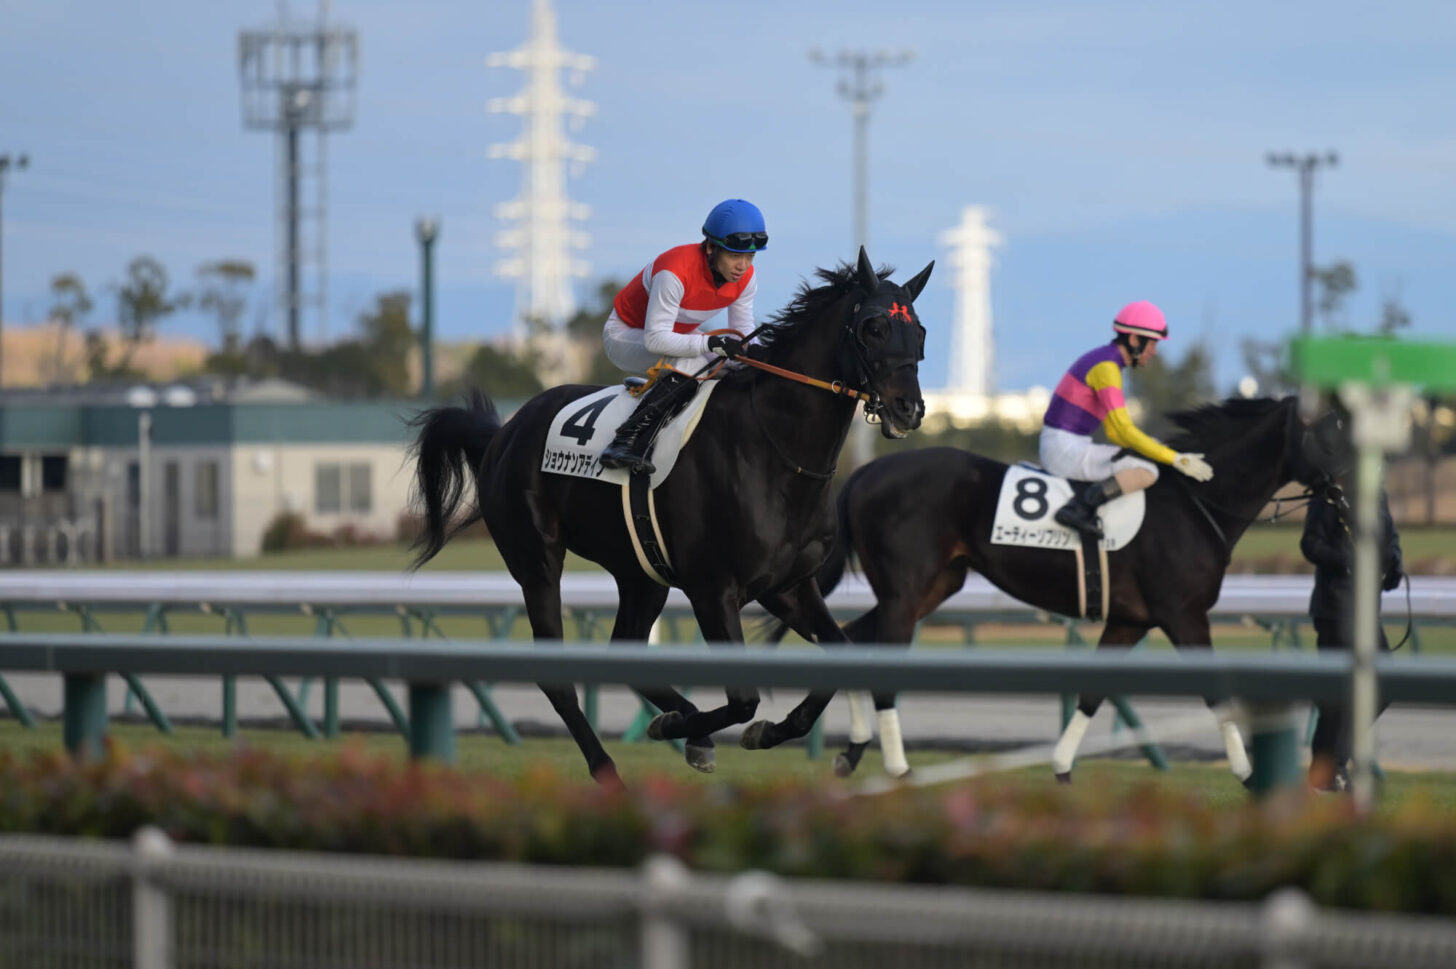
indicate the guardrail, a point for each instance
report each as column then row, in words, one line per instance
column 159, row 905
column 1276, row 603
column 1267, row 683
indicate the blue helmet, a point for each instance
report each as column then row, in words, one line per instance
column 737, row 226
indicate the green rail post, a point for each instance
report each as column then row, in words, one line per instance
column 431, row 726
column 85, row 715
column 1273, row 747
column 17, row 709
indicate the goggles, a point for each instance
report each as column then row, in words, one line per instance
column 743, row 241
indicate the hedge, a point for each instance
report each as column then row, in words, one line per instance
column 991, row 833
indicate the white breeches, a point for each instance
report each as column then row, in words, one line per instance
column 625, row 348
column 1079, row 458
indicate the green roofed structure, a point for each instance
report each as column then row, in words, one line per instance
column 202, row 469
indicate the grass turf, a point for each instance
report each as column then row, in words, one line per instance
column 1211, row 783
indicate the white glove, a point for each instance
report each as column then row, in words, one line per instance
column 1194, row 466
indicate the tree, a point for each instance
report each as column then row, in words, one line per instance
column 499, row 373
column 1393, row 316
column 388, row 342
column 142, row 302
column 1164, row 386
column 223, row 291
column 1335, row 283
column 70, row 303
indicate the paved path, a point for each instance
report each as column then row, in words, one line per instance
column 1411, row 737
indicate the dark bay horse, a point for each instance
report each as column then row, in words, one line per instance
column 918, row 521
column 746, row 514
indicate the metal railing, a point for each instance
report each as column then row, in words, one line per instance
column 158, row 905
column 1267, row 684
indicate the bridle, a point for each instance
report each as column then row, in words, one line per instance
column 852, row 343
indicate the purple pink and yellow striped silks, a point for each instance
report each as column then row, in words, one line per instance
column 1090, row 393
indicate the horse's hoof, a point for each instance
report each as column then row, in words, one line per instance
column 753, row 735
column 666, row 726
column 702, row 759
column 843, row 766
column 903, row 776
column 607, row 776
column 1064, row 777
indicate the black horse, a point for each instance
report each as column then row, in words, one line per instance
column 746, row 513
column 919, row 520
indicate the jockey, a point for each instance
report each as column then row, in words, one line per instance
column 1090, row 393
column 658, row 316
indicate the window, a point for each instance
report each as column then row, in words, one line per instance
column 205, row 489
column 53, row 469
column 360, row 496
column 339, row 488
column 9, row 472
column 328, row 488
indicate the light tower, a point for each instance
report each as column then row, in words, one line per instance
column 298, row 77
column 971, row 346
column 543, row 236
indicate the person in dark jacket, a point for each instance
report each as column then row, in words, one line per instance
column 1328, row 546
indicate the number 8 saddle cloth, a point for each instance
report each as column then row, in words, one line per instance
column 1030, row 498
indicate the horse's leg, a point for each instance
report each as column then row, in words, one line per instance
column 1192, row 633
column 718, row 619
column 543, row 607
column 861, row 723
column 1064, row 755
column 640, row 602
column 803, row 608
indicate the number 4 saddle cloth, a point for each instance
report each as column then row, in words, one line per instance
column 582, row 429
column 1030, row 498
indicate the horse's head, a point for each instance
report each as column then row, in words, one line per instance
column 1321, row 451
column 885, row 344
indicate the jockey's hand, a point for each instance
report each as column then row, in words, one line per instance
column 1194, row 466
column 725, row 346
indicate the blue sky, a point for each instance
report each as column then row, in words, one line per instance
column 1119, row 146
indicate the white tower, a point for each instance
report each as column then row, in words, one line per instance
column 971, row 347
column 542, row 240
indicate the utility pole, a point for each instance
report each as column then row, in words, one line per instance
column 860, row 84
column 427, row 231
column 1305, row 165
column 6, row 161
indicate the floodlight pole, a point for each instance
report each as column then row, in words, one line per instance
column 860, row 85
column 1305, row 165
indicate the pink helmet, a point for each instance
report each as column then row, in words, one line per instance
column 1141, row 319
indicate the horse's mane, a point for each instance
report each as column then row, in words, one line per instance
column 1206, row 428
column 810, row 302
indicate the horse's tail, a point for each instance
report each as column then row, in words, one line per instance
column 449, row 437
column 835, row 563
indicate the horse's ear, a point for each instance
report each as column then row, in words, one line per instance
column 914, row 285
column 869, row 280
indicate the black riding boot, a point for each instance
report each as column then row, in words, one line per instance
column 662, row 400
column 1080, row 514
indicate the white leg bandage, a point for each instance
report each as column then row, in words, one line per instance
column 861, row 728
column 892, row 746
column 1233, row 744
column 1065, row 752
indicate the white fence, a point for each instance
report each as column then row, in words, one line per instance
column 156, row 905
column 1432, row 597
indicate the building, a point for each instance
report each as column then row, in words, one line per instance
column 192, row 470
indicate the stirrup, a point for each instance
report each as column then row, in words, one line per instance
column 1068, row 516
